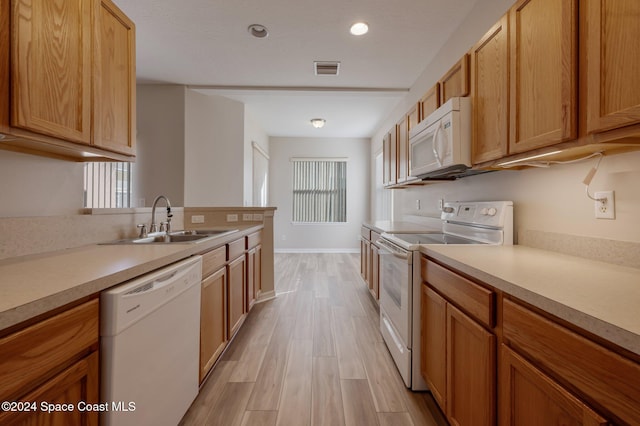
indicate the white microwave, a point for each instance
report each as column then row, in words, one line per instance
column 440, row 145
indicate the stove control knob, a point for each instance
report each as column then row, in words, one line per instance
column 492, row 211
column 484, row 211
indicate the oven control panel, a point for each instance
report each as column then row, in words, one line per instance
column 488, row 213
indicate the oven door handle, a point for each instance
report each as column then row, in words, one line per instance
column 400, row 254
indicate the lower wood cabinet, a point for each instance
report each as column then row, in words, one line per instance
column 55, row 361
column 433, row 344
column 458, row 362
column 528, row 397
column 236, row 294
column 547, row 371
column 213, row 319
column 471, row 371
column 374, row 276
column 254, row 275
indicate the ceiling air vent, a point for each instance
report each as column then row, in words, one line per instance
column 326, row 68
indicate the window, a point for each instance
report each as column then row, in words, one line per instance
column 319, row 190
column 107, row 185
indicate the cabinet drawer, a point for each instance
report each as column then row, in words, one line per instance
column 235, row 249
column 365, row 232
column 472, row 298
column 374, row 237
column 254, row 239
column 600, row 375
column 213, row 260
column 36, row 353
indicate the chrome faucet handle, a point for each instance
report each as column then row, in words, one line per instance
column 143, row 230
column 164, row 226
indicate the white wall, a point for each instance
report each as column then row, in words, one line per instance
column 545, row 199
column 551, row 199
column 214, row 151
column 319, row 237
column 253, row 132
column 38, row 186
column 159, row 167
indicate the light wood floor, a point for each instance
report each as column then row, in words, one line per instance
column 312, row 356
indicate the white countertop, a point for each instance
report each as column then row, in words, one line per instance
column 599, row 297
column 33, row 285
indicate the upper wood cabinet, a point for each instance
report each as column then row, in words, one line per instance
column 612, row 31
column 429, row 102
column 543, row 73
column 490, row 94
column 456, row 81
column 403, row 149
column 51, row 68
column 390, row 157
column 115, row 83
column 68, row 79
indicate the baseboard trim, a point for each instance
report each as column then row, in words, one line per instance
column 267, row 295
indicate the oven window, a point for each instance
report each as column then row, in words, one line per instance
column 392, row 275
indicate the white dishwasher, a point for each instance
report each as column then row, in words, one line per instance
column 150, row 336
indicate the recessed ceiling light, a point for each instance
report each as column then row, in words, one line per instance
column 359, row 28
column 318, row 122
column 258, row 31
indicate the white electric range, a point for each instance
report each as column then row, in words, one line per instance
column 488, row 222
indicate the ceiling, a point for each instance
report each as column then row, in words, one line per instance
column 205, row 44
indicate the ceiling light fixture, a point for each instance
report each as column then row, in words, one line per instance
column 318, row 122
column 359, row 28
column 258, row 31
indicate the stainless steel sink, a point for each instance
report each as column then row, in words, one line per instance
column 185, row 236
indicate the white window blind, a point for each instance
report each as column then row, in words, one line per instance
column 319, row 190
column 107, row 185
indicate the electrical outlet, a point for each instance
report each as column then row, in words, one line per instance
column 247, row 217
column 417, row 204
column 232, row 218
column 440, row 204
column 257, row 217
column 605, row 209
column 197, row 218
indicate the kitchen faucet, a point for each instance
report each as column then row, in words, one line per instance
column 154, row 226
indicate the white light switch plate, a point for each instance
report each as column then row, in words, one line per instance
column 247, row 217
column 197, row 218
column 232, row 218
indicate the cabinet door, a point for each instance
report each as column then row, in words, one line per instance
column 367, row 261
column 386, row 159
column 543, row 46
column 471, row 371
column 429, row 102
column 374, row 277
column 433, row 343
column 528, row 397
column 393, row 156
column 456, row 81
column 80, row 382
column 490, row 94
column 115, row 80
column 363, row 260
column 612, row 61
column 213, row 320
column 236, row 294
column 251, row 283
column 403, row 149
column 52, row 68
column 257, row 272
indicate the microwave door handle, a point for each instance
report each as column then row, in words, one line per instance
column 435, row 145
